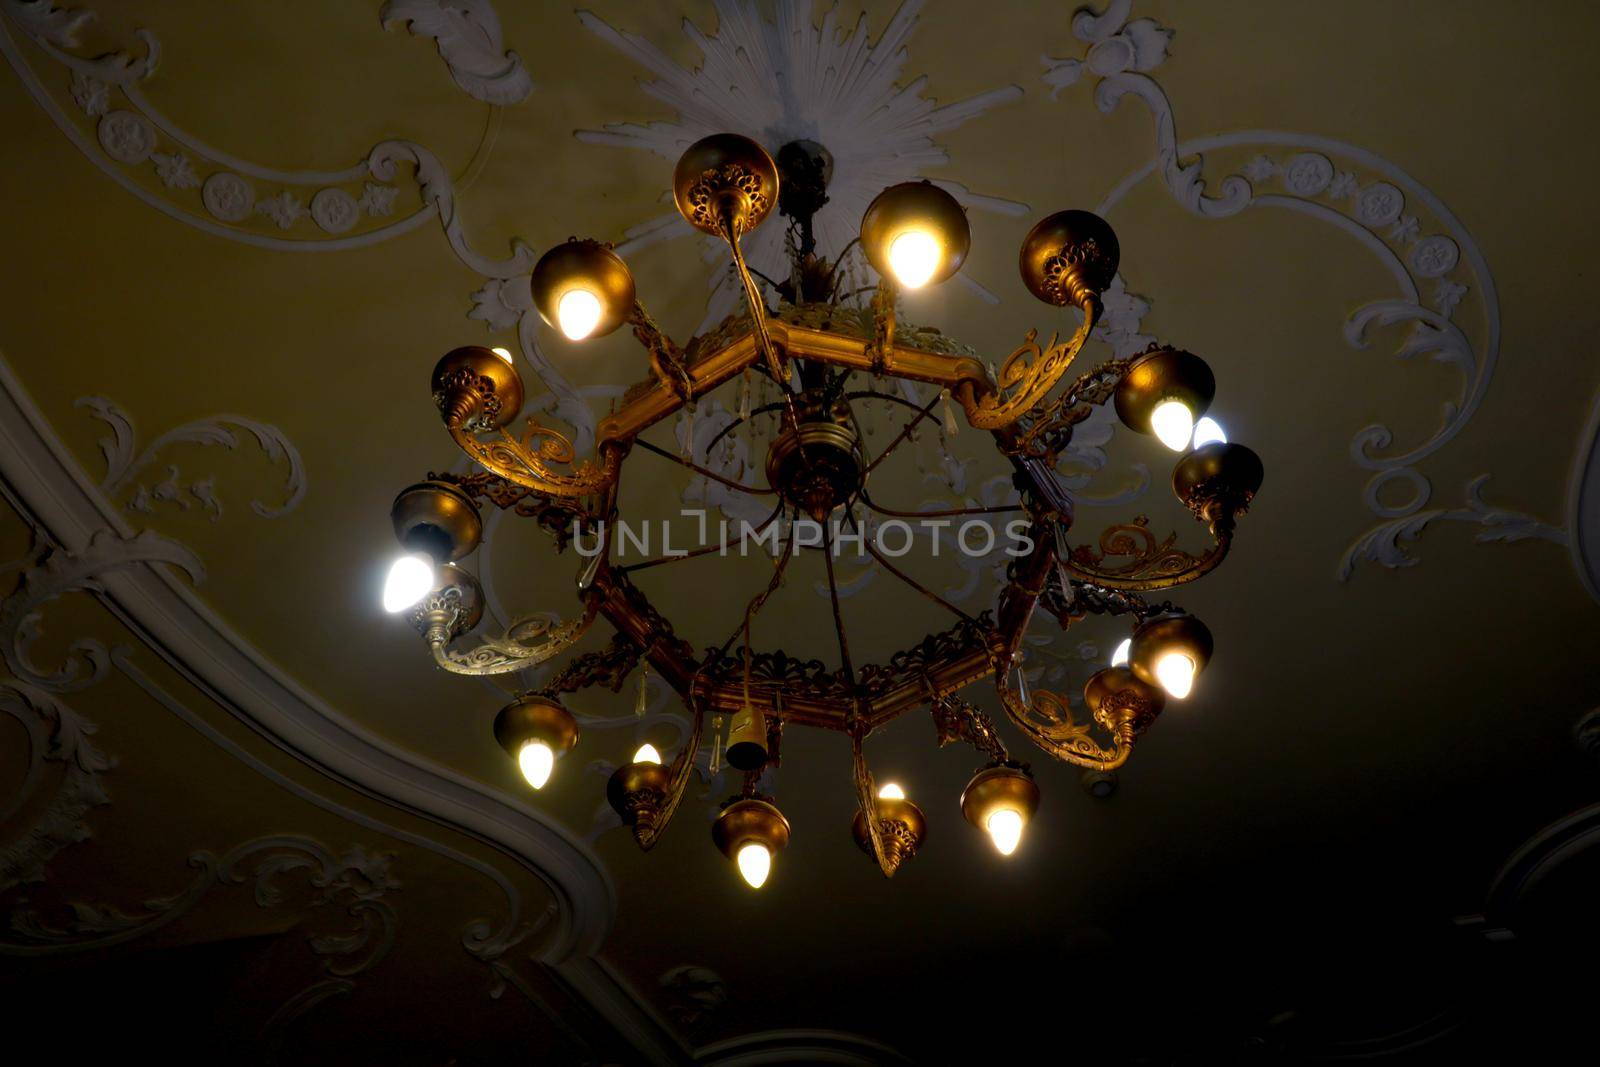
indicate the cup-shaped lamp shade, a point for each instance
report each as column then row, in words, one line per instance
column 1069, row 257
column 437, row 519
column 1163, row 393
column 916, row 233
column 1001, row 801
column 583, row 289
column 1170, row 651
column 751, row 833
column 535, row 731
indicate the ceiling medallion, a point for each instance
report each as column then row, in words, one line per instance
column 740, row 700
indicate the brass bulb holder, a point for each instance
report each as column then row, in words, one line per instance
column 583, row 264
column 1069, row 257
column 438, row 519
column 901, row 827
column 1004, row 785
column 475, row 390
column 1159, row 375
column 1123, row 703
column 750, row 821
column 638, row 791
column 452, row 607
column 535, row 718
column 725, row 182
column 747, row 739
column 1217, row 481
column 1163, row 634
column 916, row 206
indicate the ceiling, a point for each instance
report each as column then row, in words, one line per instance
column 239, row 242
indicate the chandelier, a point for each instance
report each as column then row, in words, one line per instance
column 821, row 350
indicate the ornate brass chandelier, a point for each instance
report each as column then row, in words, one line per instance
column 817, row 466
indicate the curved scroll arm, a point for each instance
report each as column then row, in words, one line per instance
column 534, row 459
column 888, row 857
column 1150, row 564
column 648, row 829
column 1061, row 736
column 527, row 643
column 1033, row 371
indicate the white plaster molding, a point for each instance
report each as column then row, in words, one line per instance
column 353, row 883
column 56, row 734
column 1363, row 195
column 792, row 77
column 1583, row 504
column 174, row 622
column 468, row 35
column 123, row 462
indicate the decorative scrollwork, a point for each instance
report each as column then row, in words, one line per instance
column 609, row 667
column 1031, row 372
column 956, row 719
column 532, row 459
column 1048, row 429
column 527, row 643
column 705, row 195
column 1149, row 563
column 1048, row 722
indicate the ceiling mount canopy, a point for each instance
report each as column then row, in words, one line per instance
column 821, row 353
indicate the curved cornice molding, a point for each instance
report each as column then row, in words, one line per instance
column 1537, row 858
column 176, row 624
column 797, row 1046
column 1583, row 503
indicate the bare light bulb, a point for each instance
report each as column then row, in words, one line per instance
column 503, row 353
column 647, row 754
column 410, row 579
column 1175, row 672
column 755, row 863
column 1005, row 829
column 536, row 760
column 1119, row 657
column 1208, row 431
column 578, row 313
column 1173, row 423
column 914, row 256
column 891, row 791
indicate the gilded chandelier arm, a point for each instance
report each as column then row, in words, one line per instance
column 1033, row 371
column 534, row 460
column 1062, row 736
column 1150, row 564
column 526, row 643
column 883, row 851
column 647, row 831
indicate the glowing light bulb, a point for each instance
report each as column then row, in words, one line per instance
column 1005, row 829
column 536, row 760
column 579, row 313
column 1208, row 431
column 503, row 353
column 647, row 754
column 755, row 863
column 891, row 791
column 410, row 579
column 914, row 256
column 1173, row 422
column 1119, row 657
column 1175, row 672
